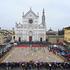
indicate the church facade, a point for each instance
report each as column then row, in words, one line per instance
column 30, row 29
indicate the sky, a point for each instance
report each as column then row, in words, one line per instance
column 57, row 12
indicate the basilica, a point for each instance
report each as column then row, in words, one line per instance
column 30, row 29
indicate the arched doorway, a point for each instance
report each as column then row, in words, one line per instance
column 13, row 37
column 30, row 38
column 41, row 39
column 19, row 39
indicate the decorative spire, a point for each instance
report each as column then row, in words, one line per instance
column 38, row 14
column 23, row 13
column 16, row 24
column 30, row 8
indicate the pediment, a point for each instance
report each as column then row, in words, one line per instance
column 30, row 13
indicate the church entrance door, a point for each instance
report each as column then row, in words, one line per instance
column 40, row 39
column 19, row 39
column 30, row 38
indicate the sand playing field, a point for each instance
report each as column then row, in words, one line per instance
column 31, row 53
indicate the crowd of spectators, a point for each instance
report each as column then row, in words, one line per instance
column 4, row 49
column 35, row 66
column 60, row 50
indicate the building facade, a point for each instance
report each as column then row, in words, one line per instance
column 30, row 29
column 1, row 39
column 5, row 36
column 67, row 34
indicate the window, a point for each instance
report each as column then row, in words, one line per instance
column 30, row 21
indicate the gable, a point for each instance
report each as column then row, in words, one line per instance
column 30, row 14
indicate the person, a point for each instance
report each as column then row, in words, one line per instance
column 50, row 66
column 23, row 66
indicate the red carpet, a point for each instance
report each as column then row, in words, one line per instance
column 22, row 46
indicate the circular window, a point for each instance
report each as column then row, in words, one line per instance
column 30, row 21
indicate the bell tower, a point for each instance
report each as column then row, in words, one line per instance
column 43, row 18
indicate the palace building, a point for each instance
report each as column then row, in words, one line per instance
column 30, row 29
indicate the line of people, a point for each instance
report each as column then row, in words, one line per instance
column 38, row 66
